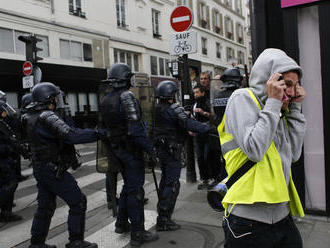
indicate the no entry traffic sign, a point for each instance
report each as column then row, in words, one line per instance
column 181, row 19
column 27, row 68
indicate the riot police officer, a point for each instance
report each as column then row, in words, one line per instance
column 232, row 80
column 121, row 115
column 170, row 127
column 46, row 134
column 9, row 146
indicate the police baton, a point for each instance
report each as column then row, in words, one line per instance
column 155, row 180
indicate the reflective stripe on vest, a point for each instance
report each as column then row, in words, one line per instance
column 264, row 182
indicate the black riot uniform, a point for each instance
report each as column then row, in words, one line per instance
column 169, row 131
column 232, row 80
column 46, row 134
column 9, row 148
column 121, row 115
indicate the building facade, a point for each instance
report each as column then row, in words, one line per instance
column 81, row 39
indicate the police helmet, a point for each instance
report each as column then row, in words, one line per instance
column 120, row 76
column 44, row 93
column 166, row 89
column 232, row 76
column 26, row 100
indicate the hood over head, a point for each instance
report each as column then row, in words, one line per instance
column 270, row 61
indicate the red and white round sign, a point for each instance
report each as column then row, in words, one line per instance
column 181, row 19
column 27, row 68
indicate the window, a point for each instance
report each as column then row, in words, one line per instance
column 93, row 102
column 239, row 30
column 204, row 15
column 83, row 104
column 228, row 3
column 44, row 45
column 9, row 42
column 241, row 59
column 218, row 50
column 161, row 63
column 121, row 13
column 161, row 67
column 229, row 28
column 167, row 69
column 230, row 54
column 76, row 9
column 19, row 45
column 204, row 46
column 74, row 50
column 6, row 40
column 72, row 101
column 129, row 58
column 250, row 48
column 155, row 23
column 87, row 52
column 153, row 65
column 238, row 4
column 187, row 3
column 217, row 22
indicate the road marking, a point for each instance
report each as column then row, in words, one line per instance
column 106, row 237
column 86, row 153
column 26, row 201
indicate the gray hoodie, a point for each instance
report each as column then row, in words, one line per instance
column 254, row 130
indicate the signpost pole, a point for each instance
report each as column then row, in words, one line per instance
column 189, row 145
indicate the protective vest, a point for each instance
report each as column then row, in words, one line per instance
column 220, row 103
column 264, row 182
column 42, row 150
column 166, row 129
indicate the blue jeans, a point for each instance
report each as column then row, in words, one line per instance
column 245, row 233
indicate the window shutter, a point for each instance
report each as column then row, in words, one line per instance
column 208, row 17
column 221, row 25
column 232, row 29
column 237, row 32
column 213, row 20
column 199, row 13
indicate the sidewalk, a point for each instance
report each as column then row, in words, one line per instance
column 201, row 226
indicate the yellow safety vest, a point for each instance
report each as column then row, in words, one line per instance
column 264, row 182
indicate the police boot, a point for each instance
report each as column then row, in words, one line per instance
column 42, row 246
column 80, row 244
column 9, row 217
column 122, row 228
column 166, row 224
column 140, row 237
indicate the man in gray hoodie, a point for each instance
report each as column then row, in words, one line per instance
column 275, row 82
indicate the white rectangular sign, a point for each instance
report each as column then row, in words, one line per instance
column 27, row 82
column 183, row 43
